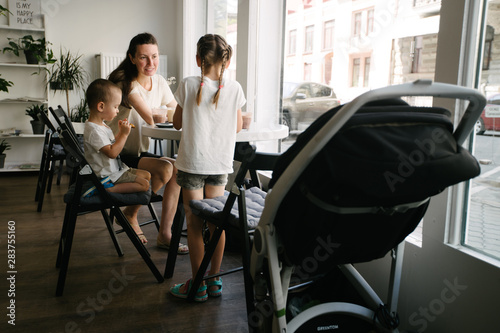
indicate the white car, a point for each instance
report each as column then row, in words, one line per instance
column 304, row 102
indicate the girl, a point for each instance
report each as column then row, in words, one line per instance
column 209, row 113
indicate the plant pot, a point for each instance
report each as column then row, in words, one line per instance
column 31, row 57
column 37, row 126
column 58, row 86
column 2, row 160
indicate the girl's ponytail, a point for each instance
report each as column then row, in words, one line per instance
column 198, row 94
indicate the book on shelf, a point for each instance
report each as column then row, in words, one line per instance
column 24, row 99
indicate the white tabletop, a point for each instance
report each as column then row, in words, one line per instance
column 255, row 133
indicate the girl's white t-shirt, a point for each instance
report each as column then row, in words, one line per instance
column 208, row 134
column 160, row 94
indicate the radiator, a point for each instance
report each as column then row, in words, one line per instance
column 107, row 62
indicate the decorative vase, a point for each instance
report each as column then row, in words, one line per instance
column 2, row 160
column 37, row 126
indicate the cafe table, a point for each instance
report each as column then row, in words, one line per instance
column 256, row 132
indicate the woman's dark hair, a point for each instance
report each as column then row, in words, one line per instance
column 126, row 72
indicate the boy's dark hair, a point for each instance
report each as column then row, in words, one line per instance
column 99, row 91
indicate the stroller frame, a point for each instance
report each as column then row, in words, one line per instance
column 271, row 277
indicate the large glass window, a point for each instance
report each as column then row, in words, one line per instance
column 482, row 213
column 373, row 45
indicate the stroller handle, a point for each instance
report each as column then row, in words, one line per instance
column 476, row 105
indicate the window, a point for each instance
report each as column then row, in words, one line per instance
column 328, row 34
column 366, row 71
column 488, row 42
column 481, row 212
column 309, row 37
column 369, row 21
column 307, row 72
column 356, row 31
column 356, row 69
column 292, row 42
column 416, row 54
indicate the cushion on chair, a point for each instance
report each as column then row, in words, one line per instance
column 212, row 208
column 119, row 199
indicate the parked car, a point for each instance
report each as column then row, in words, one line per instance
column 487, row 122
column 303, row 102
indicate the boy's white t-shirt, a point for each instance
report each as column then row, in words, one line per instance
column 95, row 137
column 208, row 134
column 160, row 94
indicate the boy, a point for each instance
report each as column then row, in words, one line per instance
column 102, row 147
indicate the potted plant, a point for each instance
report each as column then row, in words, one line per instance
column 4, row 84
column 33, row 111
column 67, row 74
column 81, row 112
column 4, row 11
column 35, row 50
column 4, row 145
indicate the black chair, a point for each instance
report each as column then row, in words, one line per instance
column 62, row 118
column 52, row 153
column 102, row 201
column 237, row 213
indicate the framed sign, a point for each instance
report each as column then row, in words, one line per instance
column 25, row 14
column 492, row 111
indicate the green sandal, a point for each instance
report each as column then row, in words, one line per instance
column 215, row 283
column 175, row 290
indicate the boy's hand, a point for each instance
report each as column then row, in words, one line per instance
column 124, row 126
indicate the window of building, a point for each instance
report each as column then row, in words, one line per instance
column 416, row 53
column 370, row 19
column 292, row 42
column 328, row 34
column 307, row 71
column 356, row 70
column 488, row 43
column 366, row 72
column 309, row 38
column 356, row 29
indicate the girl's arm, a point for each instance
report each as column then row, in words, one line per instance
column 239, row 124
column 178, row 118
column 142, row 108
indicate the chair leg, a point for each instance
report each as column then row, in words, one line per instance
column 109, row 225
column 137, row 243
column 209, row 251
column 154, row 216
column 65, row 244
column 60, row 172
column 42, row 183
column 176, row 237
column 51, row 175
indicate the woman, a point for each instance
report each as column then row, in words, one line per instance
column 143, row 90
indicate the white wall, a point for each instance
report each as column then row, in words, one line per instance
column 93, row 26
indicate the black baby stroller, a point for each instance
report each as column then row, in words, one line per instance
column 351, row 189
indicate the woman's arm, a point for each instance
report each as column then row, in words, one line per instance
column 239, row 124
column 178, row 118
column 142, row 108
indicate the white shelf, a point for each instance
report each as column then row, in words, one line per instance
column 23, row 101
column 8, row 27
column 20, row 64
column 20, row 167
column 21, row 136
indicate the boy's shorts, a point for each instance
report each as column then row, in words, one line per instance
column 191, row 181
column 128, row 176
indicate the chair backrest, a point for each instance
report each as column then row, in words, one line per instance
column 62, row 118
column 45, row 118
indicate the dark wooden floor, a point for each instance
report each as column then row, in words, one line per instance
column 94, row 299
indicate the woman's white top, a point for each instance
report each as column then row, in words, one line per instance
column 160, row 94
column 208, row 134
